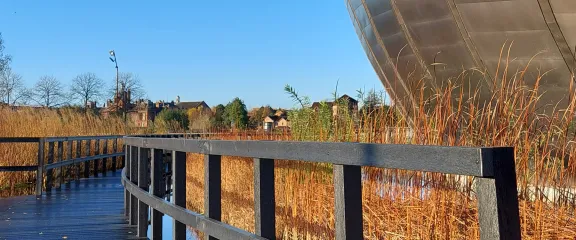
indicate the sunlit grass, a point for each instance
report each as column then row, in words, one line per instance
column 39, row 122
column 399, row 204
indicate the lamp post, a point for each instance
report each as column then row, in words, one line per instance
column 114, row 60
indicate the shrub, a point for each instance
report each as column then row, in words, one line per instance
column 171, row 120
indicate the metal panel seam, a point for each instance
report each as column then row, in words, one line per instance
column 411, row 43
column 557, row 35
column 469, row 43
column 385, row 51
column 387, row 84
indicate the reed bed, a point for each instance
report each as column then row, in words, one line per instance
column 399, row 204
column 41, row 122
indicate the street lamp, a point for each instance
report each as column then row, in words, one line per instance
column 113, row 59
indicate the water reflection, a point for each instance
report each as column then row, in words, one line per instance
column 167, row 229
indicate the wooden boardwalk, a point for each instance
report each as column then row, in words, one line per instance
column 91, row 208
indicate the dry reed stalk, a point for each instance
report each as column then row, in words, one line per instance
column 30, row 122
column 400, row 204
column 413, row 205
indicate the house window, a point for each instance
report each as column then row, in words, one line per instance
column 267, row 126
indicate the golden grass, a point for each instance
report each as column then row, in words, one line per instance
column 39, row 122
column 397, row 204
column 400, row 204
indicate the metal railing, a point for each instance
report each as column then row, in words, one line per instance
column 51, row 162
column 494, row 168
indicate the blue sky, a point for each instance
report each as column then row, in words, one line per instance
column 199, row 50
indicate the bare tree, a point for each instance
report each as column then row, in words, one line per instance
column 130, row 82
column 12, row 87
column 4, row 59
column 48, row 92
column 87, row 87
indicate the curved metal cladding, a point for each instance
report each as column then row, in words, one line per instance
column 430, row 41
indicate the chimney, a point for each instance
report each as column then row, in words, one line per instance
column 177, row 99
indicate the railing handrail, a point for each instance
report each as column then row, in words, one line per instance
column 56, row 139
column 81, row 159
column 41, row 167
column 82, row 138
column 28, row 168
column 19, row 139
column 494, row 168
column 198, row 221
column 470, row 161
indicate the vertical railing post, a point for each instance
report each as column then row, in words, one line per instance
column 69, row 157
column 264, row 200
column 179, row 191
column 104, row 160
column 50, row 171
column 96, row 153
column 87, row 163
column 212, row 188
column 59, row 171
column 156, row 170
column 114, row 150
column 164, row 179
column 40, row 171
column 168, row 180
column 134, row 179
column 348, row 201
column 78, row 155
column 127, row 194
column 143, row 184
column 498, row 211
column 123, row 163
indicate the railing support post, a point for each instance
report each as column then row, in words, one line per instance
column 348, row 201
column 96, row 153
column 60, row 170
column 114, row 150
column 40, row 171
column 212, row 188
column 143, row 184
column 169, row 174
column 134, row 179
column 264, row 199
column 50, row 171
column 179, row 190
column 69, row 157
column 156, row 170
column 498, row 211
column 124, row 159
column 87, row 164
column 104, row 160
column 127, row 172
column 78, row 155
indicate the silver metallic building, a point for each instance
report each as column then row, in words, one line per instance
column 408, row 41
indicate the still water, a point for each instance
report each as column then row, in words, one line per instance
column 167, row 229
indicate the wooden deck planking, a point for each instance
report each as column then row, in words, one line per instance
column 90, row 208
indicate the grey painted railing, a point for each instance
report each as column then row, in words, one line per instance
column 145, row 170
column 51, row 162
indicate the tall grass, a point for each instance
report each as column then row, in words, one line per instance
column 40, row 122
column 399, row 204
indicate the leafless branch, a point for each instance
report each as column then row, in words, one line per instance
column 48, row 92
column 87, row 87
